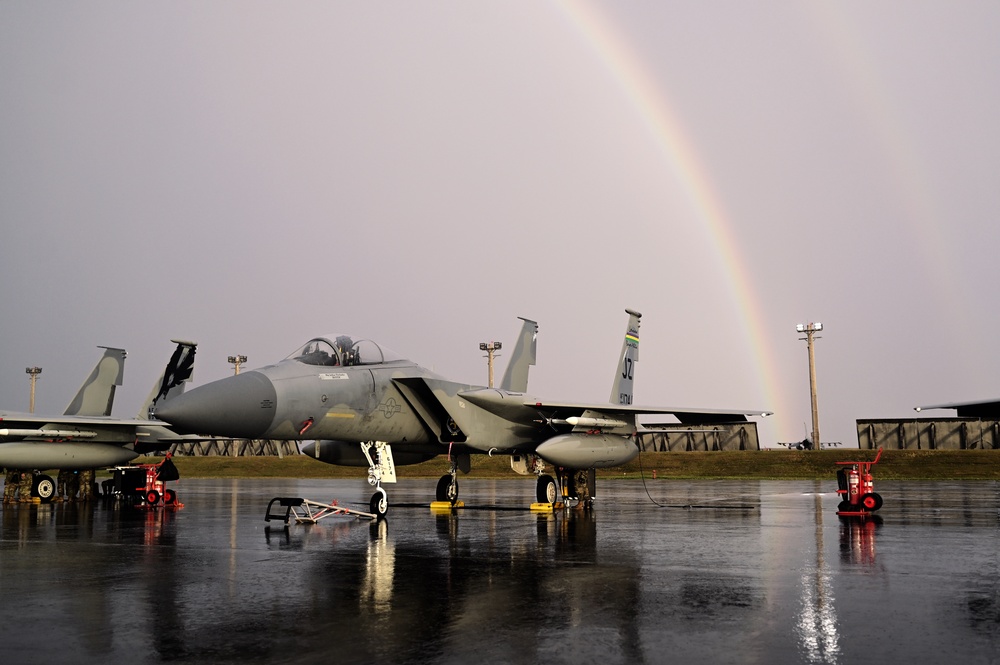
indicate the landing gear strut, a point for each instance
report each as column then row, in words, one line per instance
column 380, row 468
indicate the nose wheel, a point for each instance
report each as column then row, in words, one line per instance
column 379, row 503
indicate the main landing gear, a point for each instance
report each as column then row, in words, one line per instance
column 43, row 487
column 447, row 487
column 546, row 490
column 380, row 469
column 550, row 490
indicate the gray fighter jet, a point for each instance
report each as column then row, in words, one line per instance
column 86, row 436
column 364, row 405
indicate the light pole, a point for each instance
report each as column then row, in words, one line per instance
column 236, row 362
column 33, row 373
column 810, row 330
column 490, row 348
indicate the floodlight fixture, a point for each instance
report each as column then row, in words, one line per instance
column 490, row 348
column 236, row 362
column 810, row 330
column 33, row 373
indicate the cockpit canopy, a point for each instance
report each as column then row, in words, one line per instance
column 342, row 351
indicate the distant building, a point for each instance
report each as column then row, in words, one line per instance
column 676, row 437
column 929, row 433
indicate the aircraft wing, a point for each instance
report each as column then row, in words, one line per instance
column 686, row 416
column 25, row 425
column 156, row 438
column 981, row 409
column 525, row 409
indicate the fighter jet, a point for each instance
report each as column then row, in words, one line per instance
column 364, row 405
column 86, row 436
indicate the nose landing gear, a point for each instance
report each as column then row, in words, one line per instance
column 380, row 468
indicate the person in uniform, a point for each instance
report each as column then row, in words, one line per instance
column 86, row 480
column 64, row 482
column 73, row 485
column 25, row 484
column 10, row 486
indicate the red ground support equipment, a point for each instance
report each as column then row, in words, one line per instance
column 856, row 489
column 144, row 485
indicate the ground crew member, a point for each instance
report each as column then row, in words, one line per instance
column 26, row 479
column 65, row 481
column 73, row 485
column 10, row 486
column 86, row 479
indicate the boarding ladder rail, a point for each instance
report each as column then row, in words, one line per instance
column 311, row 511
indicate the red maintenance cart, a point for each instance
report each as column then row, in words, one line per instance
column 144, row 485
column 856, row 488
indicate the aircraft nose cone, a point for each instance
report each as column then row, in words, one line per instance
column 241, row 407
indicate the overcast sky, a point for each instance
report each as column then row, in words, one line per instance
column 250, row 174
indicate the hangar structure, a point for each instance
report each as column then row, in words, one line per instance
column 975, row 426
column 962, row 433
column 235, row 448
column 678, row 437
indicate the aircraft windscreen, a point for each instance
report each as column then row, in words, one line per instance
column 316, row 352
column 343, row 350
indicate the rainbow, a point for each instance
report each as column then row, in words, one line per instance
column 645, row 95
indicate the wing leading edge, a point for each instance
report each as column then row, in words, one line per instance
column 982, row 409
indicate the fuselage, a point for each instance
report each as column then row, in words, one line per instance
column 342, row 391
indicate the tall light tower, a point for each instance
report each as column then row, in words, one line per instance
column 810, row 330
column 33, row 373
column 236, row 362
column 490, row 348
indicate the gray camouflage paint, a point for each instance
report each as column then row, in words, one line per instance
column 420, row 413
column 86, row 437
column 97, row 394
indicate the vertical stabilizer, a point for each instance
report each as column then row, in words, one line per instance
column 97, row 394
column 515, row 378
column 621, row 391
column 179, row 370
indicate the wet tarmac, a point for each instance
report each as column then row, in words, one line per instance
column 727, row 572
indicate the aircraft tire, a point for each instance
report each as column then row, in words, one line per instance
column 447, row 490
column 872, row 501
column 545, row 490
column 43, row 487
column 379, row 504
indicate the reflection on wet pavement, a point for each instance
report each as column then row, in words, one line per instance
column 729, row 571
